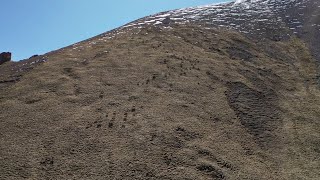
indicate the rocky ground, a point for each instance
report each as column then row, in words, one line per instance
column 163, row 102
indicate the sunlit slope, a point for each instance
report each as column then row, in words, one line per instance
column 165, row 103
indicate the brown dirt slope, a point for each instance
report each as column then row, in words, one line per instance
column 164, row 103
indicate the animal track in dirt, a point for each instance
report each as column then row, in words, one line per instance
column 207, row 163
column 112, row 121
column 212, row 158
column 95, row 124
column 47, row 161
column 76, row 90
column 183, row 67
column 115, row 119
column 147, row 80
column 125, row 117
column 175, row 65
column 211, row 171
column 101, row 95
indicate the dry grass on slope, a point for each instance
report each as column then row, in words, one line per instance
column 181, row 103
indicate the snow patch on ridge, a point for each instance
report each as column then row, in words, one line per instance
column 262, row 18
column 246, row 1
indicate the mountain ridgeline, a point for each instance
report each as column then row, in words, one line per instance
column 223, row 91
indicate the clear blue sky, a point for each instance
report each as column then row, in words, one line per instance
column 31, row 27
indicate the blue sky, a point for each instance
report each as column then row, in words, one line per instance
column 31, row 27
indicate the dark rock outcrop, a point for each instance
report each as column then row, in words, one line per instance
column 5, row 57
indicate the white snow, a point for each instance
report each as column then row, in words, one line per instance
column 246, row 16
column 247, row 1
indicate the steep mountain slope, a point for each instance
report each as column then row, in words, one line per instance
column 172, row 99
column 259, row 19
